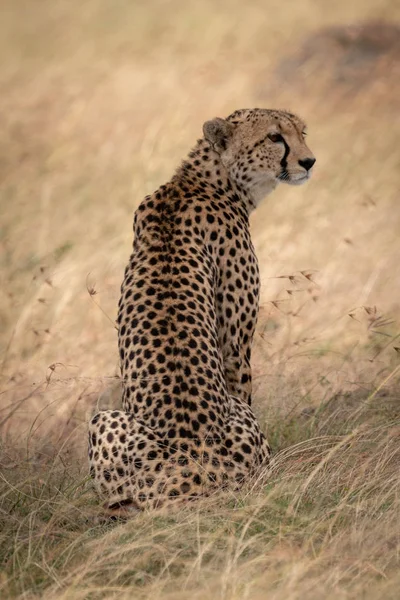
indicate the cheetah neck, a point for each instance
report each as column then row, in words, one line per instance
column 260, row 188
column 205, row 164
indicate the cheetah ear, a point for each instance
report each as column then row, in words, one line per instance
column 218, row 132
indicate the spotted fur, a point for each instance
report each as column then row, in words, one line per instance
column 186, row 319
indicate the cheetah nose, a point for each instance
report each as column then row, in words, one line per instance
column 307, row 163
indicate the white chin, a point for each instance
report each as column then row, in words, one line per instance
column 298, row 180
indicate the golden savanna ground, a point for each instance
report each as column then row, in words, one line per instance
column 99, row 102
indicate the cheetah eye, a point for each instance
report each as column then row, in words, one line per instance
column 304, row 133
column 275, row 137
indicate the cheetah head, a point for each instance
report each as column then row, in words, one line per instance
column 260, row 148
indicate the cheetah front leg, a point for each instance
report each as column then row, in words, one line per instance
column 237, row 370
column 247, row 445
column 236, row 325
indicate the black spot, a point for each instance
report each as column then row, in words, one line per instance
column 138, row 463
column 237, row 457
column 185, row 487
column 246, row 448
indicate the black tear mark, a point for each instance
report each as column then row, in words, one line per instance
column 284, row 158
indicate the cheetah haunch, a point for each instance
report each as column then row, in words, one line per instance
column 187, row 315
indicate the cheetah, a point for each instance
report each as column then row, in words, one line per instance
column 186, row 319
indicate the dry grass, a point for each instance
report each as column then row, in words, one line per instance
column 323, row 523
column 99, row 102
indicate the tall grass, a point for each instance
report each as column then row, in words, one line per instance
column 322, row 521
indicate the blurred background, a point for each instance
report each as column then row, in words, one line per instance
column 100, row 101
